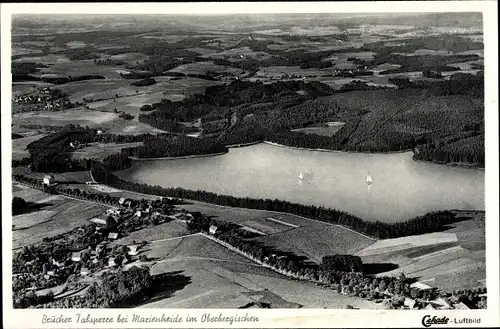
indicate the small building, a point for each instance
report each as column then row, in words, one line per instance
column 113, row 211
column 76, row 256
column 56, row 263
column 133, row 250
column 122, row 201
column 212, row 229
column 429, row 307
column 410, row 303
column 99, row 221
column 111, row 261
column 113, row 236
column 51, row 272
column 84, row 271
column 99, row 132
column 48, row 180
column 138, row 213
column 186, row 218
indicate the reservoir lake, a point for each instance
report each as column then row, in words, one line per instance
column 401, row 188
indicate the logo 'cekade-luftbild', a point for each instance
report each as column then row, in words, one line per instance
column 427, row 321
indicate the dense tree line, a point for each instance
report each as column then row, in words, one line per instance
column 19, row 205
column 144, row 82
column 174, row 146
column 341, row 272
column 21, row 71
column 469, row 150
column 343, row 263
column 119, row 288
column 430, row 222
column 58, row 80
column 52, row 153
column 450, row 43
column 218, row 98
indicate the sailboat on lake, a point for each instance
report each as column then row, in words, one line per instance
column 369, row 180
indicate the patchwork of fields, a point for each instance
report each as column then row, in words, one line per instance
column 53, row 215
column 206, row 273
column 453, row 259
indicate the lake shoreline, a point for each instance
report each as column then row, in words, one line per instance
column 179, row 157
column 334, row 151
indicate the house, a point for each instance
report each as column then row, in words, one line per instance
column 76, row 256
column 122, row 201
column 138, row 213
column 56, row 263
column 51, row 272
column 429, row 307
column 99, row 132
column 113, row 236
column 185, row 217
column 113, row 211
column 133, row 250
column 48, row 180
column 111, row 261
column 212, row 229
column 410, row 303
column 99, row 221
column 84, row 271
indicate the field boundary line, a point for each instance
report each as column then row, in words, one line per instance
column 174, row 238
column 281, row 222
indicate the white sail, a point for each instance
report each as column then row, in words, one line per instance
column 301, row 176
column 369, row 180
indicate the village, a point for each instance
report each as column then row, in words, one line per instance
column 42, row 99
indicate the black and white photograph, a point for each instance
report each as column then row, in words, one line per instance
column 330, row 160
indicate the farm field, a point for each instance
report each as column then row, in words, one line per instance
column 209, row 275
column 317, row 240
column 56, row 215
column 81, row 67
column 329, row 130
column 100, row 151
column 204, row 67
column 93, row 119
column 171, row 229
column 47, row 59
column 453, row 259
column 19, row 145
column 278, row 71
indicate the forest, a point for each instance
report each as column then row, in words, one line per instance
column 174, row 146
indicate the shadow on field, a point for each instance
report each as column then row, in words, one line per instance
column 375, row 268
column 166, row 284
column 31, row 207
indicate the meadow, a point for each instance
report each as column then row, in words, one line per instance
column 55, row 215
column 452, row 259
column 209, row 275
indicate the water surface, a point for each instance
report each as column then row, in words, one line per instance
column 401, row 188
